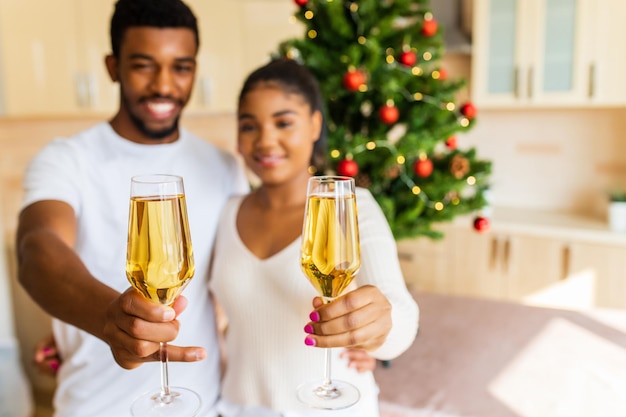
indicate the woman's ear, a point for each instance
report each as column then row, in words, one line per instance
column 110, row 62
column 317, row 121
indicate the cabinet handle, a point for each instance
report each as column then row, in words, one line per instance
column 92, row 90
column 81, row 91
column 592, row 80
column 506, row 254
column 529, row 87
column 493, row 260
column 205, row 91
column 565, row 258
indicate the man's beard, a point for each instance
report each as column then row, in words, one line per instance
column 150, row 133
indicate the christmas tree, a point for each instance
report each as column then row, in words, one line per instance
column 391, row 110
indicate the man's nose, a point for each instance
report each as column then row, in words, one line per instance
column 163, row 82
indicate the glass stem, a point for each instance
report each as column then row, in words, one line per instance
column 327, row 379
column 165, row 378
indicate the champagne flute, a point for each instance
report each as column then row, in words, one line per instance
column 330, row 258
column 159, row 264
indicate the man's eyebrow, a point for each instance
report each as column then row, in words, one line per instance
column 139, row 55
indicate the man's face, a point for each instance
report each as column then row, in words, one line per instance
column 156, row 71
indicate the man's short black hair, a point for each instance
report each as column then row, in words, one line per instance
column 153, row 13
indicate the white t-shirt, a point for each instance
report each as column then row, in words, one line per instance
column 91, row 171
column 268, row 302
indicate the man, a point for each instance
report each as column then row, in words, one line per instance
column 72, row 230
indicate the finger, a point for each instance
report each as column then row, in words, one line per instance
column 359, row 359
column 133, row 303
column 351, row 321
column 180, row 304
column 185, row 354
column 354, row 300
column 367, row 337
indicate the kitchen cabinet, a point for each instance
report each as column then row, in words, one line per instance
column 529, row 52
column 604, row 265
column 52, row 57
column 606, row 60
column 52, row 61
column 235, row 37
column 518, row 264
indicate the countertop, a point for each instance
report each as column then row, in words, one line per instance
column 563, row 225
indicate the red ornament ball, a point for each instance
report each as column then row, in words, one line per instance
column 353, row 80
column 301, row 3
column 408, row 58
column 423, row 168
column 389, row 114
column 347, row 168
column 481, row 224
column 430, row 27
column 468, row 110
column 451, row 142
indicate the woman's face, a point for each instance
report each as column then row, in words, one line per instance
column 276, row 133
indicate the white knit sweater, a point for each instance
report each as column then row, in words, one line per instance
column 268, row 302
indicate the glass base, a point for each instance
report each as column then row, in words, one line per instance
column 181, row 402
column 334, row 396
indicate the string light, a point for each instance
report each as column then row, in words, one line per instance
column 308, row 15
column 438, row 206
column 471, row 180
column 371, row 145
column 354, row 7
column 362, row 40
column 390, row 59
column 335, row 154
column 312, row 34
column 427, row 56
column 417, row 71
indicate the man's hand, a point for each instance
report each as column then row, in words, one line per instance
column 135, row 327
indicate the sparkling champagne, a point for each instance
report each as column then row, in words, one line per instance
column 159, row 261
column 330, row 255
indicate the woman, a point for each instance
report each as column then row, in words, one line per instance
column 256, row 274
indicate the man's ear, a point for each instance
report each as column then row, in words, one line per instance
column 110, row 62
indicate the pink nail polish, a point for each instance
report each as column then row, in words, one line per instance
column 47, row 350
column 314, row 316
column 309, row 329
column 54, row 365
column 309, row 341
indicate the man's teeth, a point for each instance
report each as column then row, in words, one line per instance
column 161, row 107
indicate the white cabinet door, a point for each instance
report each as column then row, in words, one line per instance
column 529, row 52
column 606, row 57
column 605, row 266
column 219, row 72
column 52, row 55
column 38, row 56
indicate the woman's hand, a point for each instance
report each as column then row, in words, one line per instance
column 358, row 319
column 46, row 358
column 359, row 360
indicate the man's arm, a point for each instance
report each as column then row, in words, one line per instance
column 53, row 274
column 55, row 277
